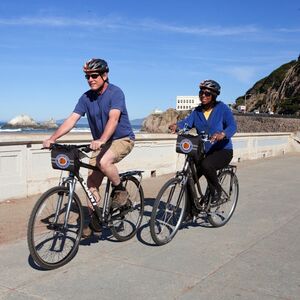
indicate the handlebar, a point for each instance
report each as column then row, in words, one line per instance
column 83, row 147
column 204, row 137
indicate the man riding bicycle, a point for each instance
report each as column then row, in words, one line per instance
column 216, row 120
column 113, row 137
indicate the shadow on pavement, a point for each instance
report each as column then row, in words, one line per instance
column 35, row 266
column 143, row 235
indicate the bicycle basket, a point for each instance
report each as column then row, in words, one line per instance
column 65, row 159
column 190, row 145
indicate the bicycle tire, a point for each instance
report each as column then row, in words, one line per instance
column 50, row 244
column 128, row 218
column 221, row 213
column 168, row 211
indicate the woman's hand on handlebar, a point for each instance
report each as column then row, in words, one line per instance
column 173, row 128
column 96, row 144
column 218, row 136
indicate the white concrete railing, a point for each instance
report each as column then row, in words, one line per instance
column 25, row 169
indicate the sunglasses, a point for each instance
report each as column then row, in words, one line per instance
column 205, row 93
column 94, row 76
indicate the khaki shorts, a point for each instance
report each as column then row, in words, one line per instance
column 120, row 148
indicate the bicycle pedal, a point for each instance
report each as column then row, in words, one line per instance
column 95, row 224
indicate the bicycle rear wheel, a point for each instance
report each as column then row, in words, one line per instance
column 51, row 243
column 168, row 211
column 221, row 213
column 126, row 220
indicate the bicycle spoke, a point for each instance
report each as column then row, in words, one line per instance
column 127, row 219
column 50, row 242
column 167, row 212
column 221, row 212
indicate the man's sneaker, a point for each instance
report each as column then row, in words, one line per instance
column 93, row 226
column 119, row 198
column 86, row 231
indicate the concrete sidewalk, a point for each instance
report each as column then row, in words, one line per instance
column 255, row 256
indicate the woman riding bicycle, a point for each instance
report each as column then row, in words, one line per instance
column 215, row 119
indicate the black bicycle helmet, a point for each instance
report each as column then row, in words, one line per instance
column 96, row 65
column 211, row 85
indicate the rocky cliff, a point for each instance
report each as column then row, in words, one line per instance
column 279, row 92
column 158, row 123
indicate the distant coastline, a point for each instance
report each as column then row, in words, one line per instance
column 80, row 128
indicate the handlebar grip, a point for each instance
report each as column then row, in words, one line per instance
column 87, row 149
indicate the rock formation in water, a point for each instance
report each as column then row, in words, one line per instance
column 25, row 121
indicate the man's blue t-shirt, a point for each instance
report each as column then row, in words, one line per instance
column 97, row 108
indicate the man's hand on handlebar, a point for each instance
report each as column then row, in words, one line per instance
column 96, row 144
column 47, row 143
column 173, row 128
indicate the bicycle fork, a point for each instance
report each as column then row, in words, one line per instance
column 71, row 183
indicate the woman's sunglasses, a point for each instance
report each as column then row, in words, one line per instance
column 94, row 76
column 205, row 93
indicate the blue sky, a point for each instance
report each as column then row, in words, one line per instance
column 156, row 49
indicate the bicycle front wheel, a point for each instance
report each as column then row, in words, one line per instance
column 221, row 213
column 53, row 237
column 168, row 211
column 127, row 219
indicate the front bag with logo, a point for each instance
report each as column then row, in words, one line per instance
column 190, row 145
column 65, row 159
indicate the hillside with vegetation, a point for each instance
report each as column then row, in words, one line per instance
column 159, row 123
column 279, row 92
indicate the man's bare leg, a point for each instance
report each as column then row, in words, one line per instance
column 94, row 181
column 108, row 167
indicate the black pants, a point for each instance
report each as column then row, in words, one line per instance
column 211, row 163
column 208, row 167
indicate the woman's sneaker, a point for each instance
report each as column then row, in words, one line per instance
column 215, row 198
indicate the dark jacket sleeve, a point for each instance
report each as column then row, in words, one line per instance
column 187, row 122
column 229, row 122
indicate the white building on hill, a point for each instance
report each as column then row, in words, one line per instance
column 187, row 102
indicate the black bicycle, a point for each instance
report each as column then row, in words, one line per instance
column 57, row 219
column 184, row 190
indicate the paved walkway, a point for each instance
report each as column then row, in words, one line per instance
column 255, row 256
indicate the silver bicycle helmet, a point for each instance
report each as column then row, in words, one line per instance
column 211, row 85
column 96, row 65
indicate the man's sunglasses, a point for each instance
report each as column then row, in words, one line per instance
column 205, row 93
column 94, row 76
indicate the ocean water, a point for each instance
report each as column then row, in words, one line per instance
column 78, row 128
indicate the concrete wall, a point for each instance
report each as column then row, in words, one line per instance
column 25, row 169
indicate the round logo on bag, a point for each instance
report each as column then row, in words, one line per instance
column 62, row 161
column 186, row 146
